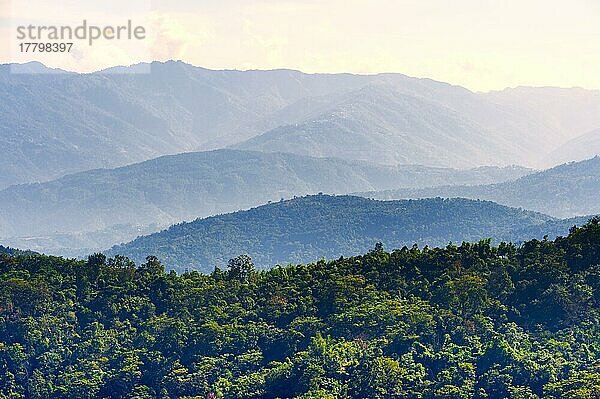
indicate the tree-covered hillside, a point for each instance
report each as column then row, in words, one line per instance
column 14, row 251
column 567, row 190
column 463, row 322
column 312, row 227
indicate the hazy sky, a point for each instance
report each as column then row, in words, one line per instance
column 479, row 44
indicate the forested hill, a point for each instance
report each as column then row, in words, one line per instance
column 312, row 227
column 567, row 190
column 471, row 321
column 13, row 251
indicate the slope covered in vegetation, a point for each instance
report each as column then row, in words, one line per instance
column 313, row 227
column 470, row 321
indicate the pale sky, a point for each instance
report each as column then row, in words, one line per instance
column 480, row 44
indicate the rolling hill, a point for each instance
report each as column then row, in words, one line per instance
column 312, row 227
column 567, row 190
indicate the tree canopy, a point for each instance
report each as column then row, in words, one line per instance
column 465, row 321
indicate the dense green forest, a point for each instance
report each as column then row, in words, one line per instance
column 14, row 251
column 308, row 228
column 470, row 321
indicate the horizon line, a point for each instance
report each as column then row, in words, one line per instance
column 288, row 69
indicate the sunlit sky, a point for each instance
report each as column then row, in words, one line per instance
column 480, row 44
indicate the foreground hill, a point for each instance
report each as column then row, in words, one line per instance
column 319, row 226
column 470, row 321
column 567, row 190
column 14, row 251
column 117, row 205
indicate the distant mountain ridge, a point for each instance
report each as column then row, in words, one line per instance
column 577, row 149
column 53, row 124
column 312, row 227
column 382, row 123
column 573, row 108
column 440, row 125
column 567, row 190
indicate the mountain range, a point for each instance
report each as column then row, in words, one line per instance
column 321, row 226
column 92, row 210
column 383, row 123
column 563, row 191
column 182, row 142
column 56, row 123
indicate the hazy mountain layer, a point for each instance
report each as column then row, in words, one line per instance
column 573, row 111
column 567, row 190
column 380, row 123
column 119, row 204
column 435, row 124
column 582, row 147
column 56, row 123
column 53, row 124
